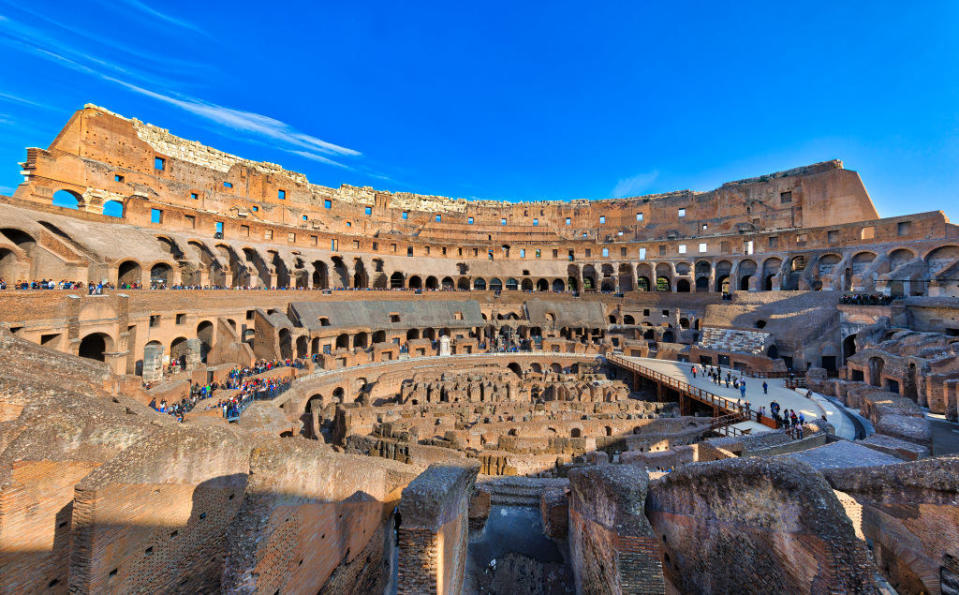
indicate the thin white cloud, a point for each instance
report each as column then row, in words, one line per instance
column 10, row 98
column 320, row 158
column 152, row 12
column 244, row 121
column 634, row 185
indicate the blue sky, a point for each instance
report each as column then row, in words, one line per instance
column 508, row 101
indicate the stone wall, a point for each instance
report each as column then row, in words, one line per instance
column 910, row 516
column 434, row 513
column 308, row 511
column 755, row 526
column 613, row 547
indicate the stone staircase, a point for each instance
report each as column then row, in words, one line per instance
column 734, row 341
column 518, row 491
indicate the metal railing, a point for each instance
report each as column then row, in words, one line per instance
column 724, row 404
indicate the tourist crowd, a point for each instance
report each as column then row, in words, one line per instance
column 866, row 299
column 248, row 389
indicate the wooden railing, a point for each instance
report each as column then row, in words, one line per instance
column 724, row 404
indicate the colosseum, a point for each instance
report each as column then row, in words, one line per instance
column 219, row 377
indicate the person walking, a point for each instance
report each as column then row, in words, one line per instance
column 765, row 387
column 742, row 389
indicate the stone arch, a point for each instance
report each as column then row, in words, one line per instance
column 479, row 284
column 361, row 339
column 161, row 272
column 463, row 284
column 361, row 280
column 447, row 284
column 512, row 284
column 129, row 272
column 204, row 332
column 178, row 351
column 527, row 284
column 95, row 346
column 341, row 274
column 397, row 280
column 321, row 275
column 771, row 268
column 747, row 268
column 682, row 286
column 67, row 199
column 286, row 343
column 542, row 285
column 343, row 341
column 558, row 286
column 495, row 284
column 415, row 282
column 113, row 208
column 515, row 367
column 941, row 259
column 876, row 365
column 589, row 278
column 723, row 269
column 432, row 283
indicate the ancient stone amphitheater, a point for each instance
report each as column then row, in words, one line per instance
column 217, row 376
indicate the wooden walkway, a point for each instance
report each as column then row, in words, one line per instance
column 725, row 411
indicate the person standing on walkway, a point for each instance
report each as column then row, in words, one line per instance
column 742, row 389
column 765, row 387
column 694, row 371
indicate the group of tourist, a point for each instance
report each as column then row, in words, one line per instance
column 256, row 389
column 44, row 284
column 788, row 419
column 866, row 299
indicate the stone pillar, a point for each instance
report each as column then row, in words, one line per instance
column 194, row 351
column 434, row 530
column 445, row 346
column 613, row 547
column 152, row 363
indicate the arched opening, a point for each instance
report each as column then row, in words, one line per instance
column 432, row 283
column 161, row 273
column 9, row 265
column 876, row 365
column 67, row 199
column 429, row 333
column 558, row 286
column 447, row 284
column 702, row 284
column 542, row 285
column 361, row 340
column 682, row 286
column 178, row 352
column 416, row 282
column 668, row 337
column 527, row 285
column 516, row 369
column 379, row 337
column 113, row 208
column 360, row 279
column 128, row 273
column 662, row 284
column 576, row 433
column 722, row 283
column 397, row 280
column 463, row 284
column 302, row 346
column 343, row 341
column 338, row 394
column 772, row 352
column 286, row 343
column 94, row 346
column 628, row 319
column 642, row 284
column 479, row 284
column 512, row 284
column 495, row 284
column 848, row 347
column 412, row 334
column 321, row 275
column 556, row 368
column 204, row 332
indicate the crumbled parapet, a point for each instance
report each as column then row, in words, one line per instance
column 910, row 515
column 756, row 525
column 612, row 545
column 433, row 530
